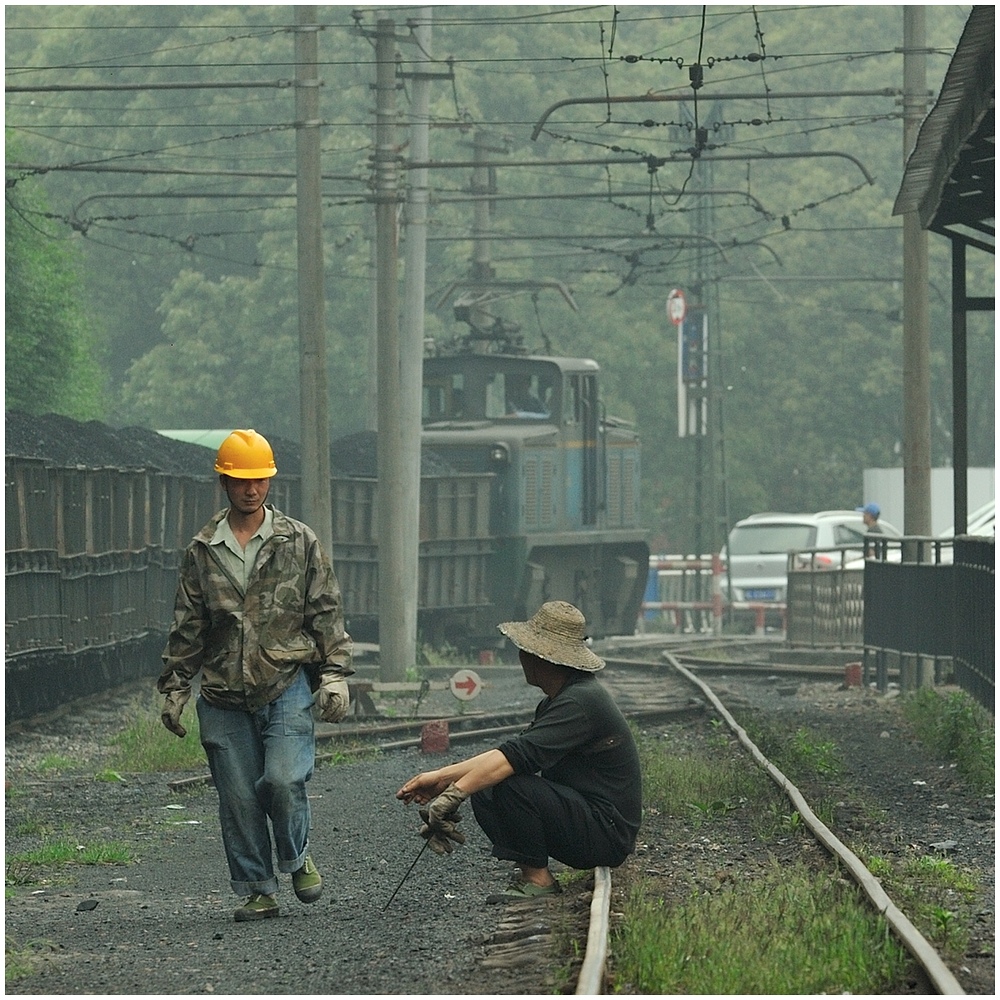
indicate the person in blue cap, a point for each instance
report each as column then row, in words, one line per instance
column 870, row 514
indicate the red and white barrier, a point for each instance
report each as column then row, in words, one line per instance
column 717, row 605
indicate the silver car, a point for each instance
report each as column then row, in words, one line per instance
column 755, row 557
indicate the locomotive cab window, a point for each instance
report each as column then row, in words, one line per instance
column 571, row 400
column 579, row 399
column 528, row 395
column 496, row 396
column 444, row 398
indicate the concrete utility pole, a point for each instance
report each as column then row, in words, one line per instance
column 916, row 324
column 315, row 422
column 396, row 648
column 482, row 269
column 412, row 344
column 482, row 266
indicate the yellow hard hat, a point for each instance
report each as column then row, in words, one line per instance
column 246, row 455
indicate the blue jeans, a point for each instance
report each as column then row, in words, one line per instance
column 260, row 763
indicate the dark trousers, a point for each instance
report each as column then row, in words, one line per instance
column 530, row 819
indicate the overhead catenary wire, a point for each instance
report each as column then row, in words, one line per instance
column 528, row 60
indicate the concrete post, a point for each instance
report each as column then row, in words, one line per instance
column 394, row 653
column 314, row 406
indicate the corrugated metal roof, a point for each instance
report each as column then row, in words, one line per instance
column 949, row 176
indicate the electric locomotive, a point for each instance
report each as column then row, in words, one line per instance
column 564, row 492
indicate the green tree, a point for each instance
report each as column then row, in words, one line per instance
column 229, row 355
column 50, row 360
column 799, row 250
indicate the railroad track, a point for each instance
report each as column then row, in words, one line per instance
column 660, row 685
column 940, row 977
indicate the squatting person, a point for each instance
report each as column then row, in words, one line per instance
column 258, row 612
column 568, row 787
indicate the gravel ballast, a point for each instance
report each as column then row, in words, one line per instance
column 163, row 924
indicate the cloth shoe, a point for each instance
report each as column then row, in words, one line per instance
column 528, row 890
column 257, row 907
column 307, row 882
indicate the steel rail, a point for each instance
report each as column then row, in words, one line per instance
column 595, row 956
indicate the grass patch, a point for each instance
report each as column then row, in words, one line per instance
column 960, row 729
column 705, row 786
column 56, row 762
column 799, row 755
column 676, row 781
column 67, row 853
column 109, row 776
column 20, row 960
column 145, row 745
column 25, row 868
column 934, row 893
column 791, row 932
column 29, row 826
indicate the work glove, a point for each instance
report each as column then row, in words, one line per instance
column 441, row 818
column 333, row 698
column 172, row 708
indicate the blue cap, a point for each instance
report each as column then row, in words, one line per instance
column 870, row 508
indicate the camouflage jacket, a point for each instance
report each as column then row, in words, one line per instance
column 250, row 646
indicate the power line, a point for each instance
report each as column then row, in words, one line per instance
column 505, row 61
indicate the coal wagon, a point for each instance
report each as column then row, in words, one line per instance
column 524, row 505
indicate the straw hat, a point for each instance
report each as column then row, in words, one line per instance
column 557, row 633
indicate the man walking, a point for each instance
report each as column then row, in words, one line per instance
column 258, row 613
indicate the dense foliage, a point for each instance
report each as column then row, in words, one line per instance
column 782, row 227
column 49, row 351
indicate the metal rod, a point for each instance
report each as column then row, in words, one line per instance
column 406, row 876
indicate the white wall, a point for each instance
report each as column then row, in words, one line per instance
column 885, row 487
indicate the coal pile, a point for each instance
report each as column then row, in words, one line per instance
column 69, row 443
column 356, row 455
column 91, row 444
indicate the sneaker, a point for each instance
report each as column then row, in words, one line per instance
column 257, row 907
column 308, row 882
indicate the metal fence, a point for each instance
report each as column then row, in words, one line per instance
column 921, row 606
column 825, row 598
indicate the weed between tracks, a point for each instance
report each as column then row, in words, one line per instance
column 789, row 932
column 738, row 910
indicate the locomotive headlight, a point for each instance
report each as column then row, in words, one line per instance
column 499, row 453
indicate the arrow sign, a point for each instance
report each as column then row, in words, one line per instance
column 465, row 684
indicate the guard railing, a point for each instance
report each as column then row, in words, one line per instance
column 686, row 594
column 920, row 607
